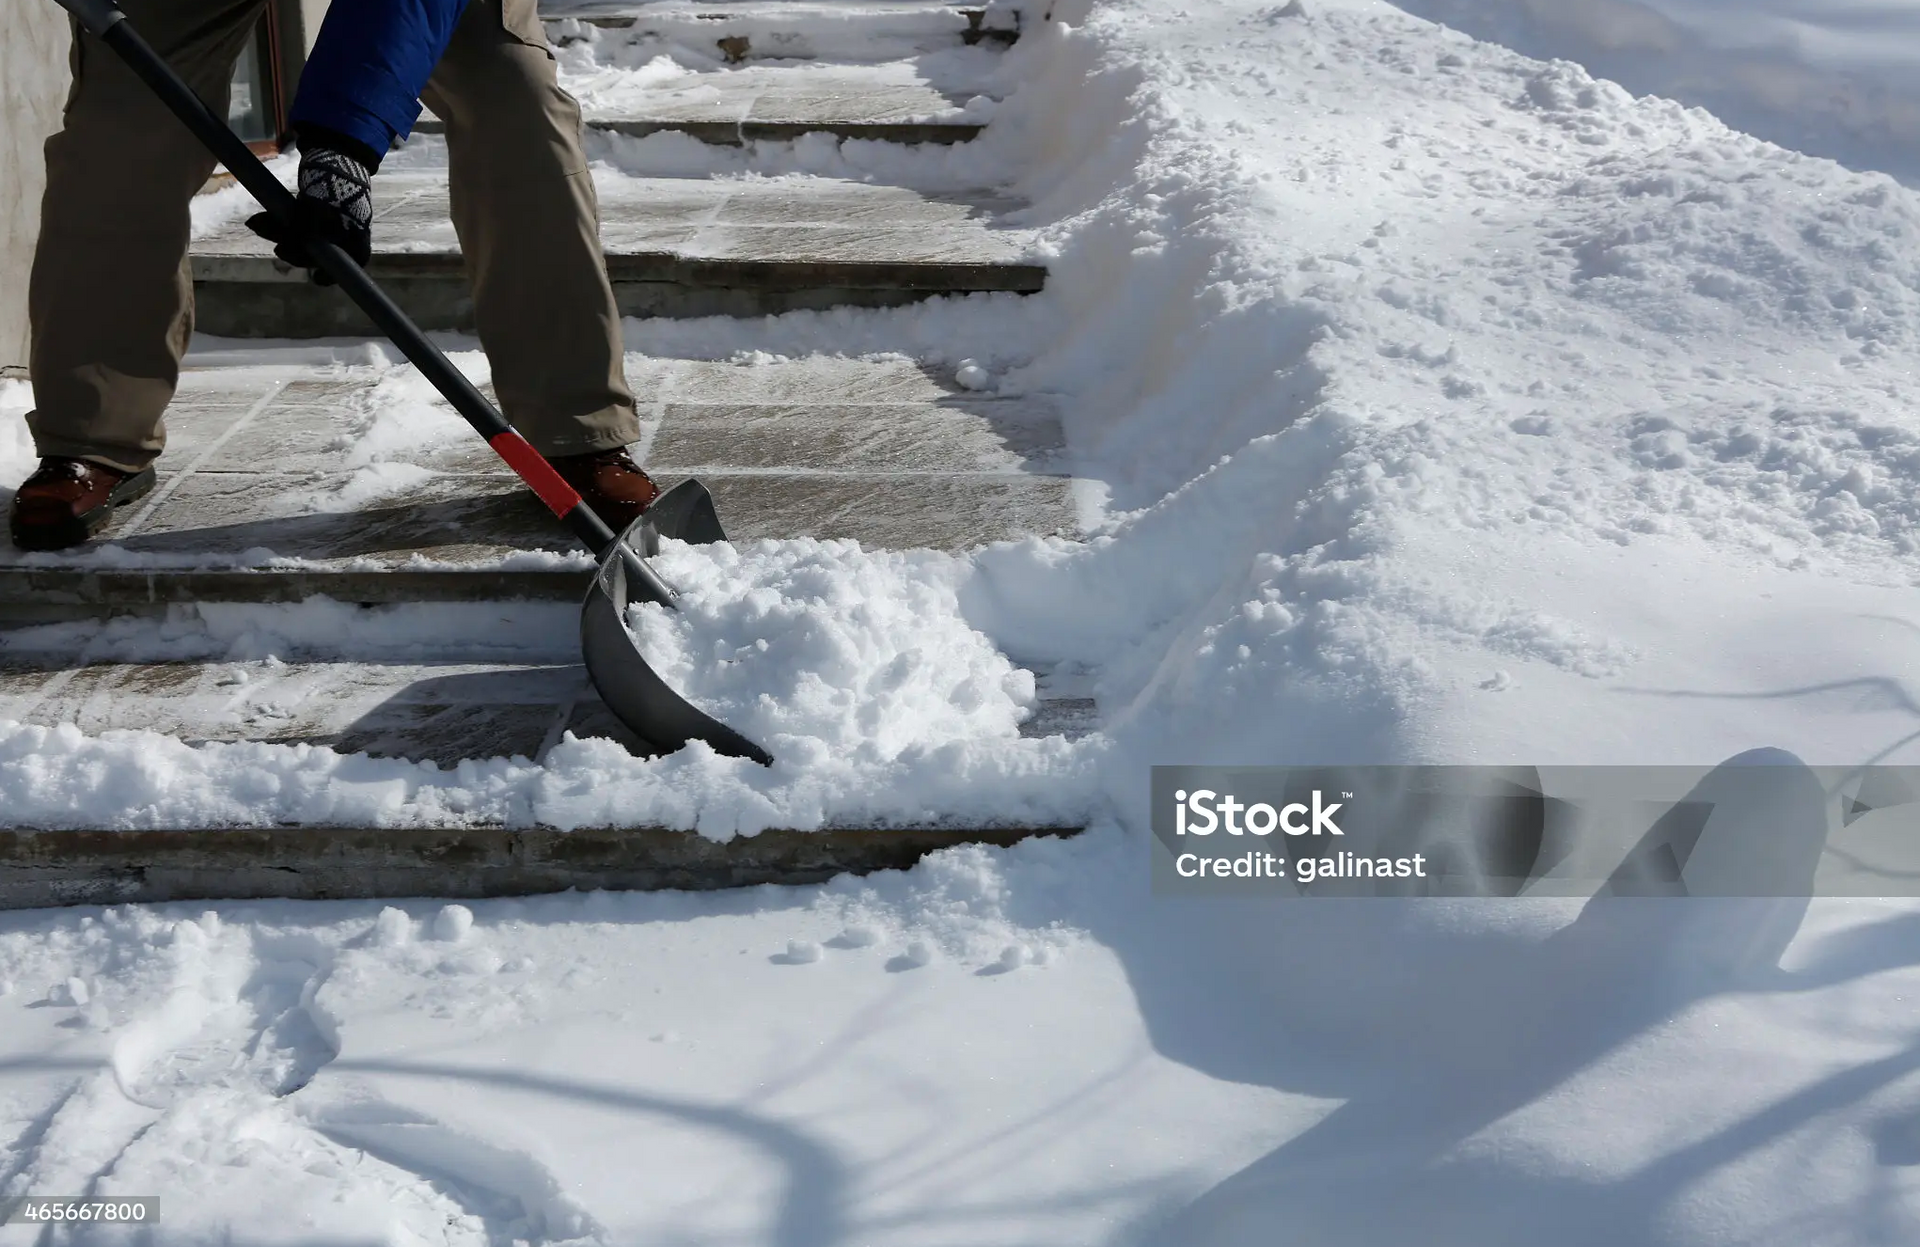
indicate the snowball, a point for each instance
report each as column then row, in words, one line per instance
column 1014, row 956
column 452, row 923
column 392, row 928
column 802, row 952
column 71, row 992
column 972, row 376
column 919, row 953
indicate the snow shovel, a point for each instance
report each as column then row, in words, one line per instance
column 631, row 688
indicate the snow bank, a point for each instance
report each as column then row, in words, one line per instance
column 1425, row 418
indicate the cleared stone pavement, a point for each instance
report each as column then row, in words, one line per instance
column 265, row 496
column 675, row 247
column 741, row 30
column 887, row 103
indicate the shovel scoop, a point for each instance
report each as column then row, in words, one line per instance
column 627, row 683
column 632, row 690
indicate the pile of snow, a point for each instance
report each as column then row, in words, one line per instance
column 824, row 647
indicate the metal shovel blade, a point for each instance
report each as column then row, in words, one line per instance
column 627, row 683
column 684, row 513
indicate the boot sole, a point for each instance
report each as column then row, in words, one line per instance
column 88, row 524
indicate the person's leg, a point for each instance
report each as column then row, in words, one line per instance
column 529, row 225
column 110, row 300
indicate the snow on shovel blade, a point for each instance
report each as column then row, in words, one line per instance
column 629, row 685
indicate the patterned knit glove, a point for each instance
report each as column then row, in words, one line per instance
column 334, row 204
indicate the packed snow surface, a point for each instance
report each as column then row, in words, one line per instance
column 1448, row 405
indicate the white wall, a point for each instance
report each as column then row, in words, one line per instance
column 33, row 82
column 311, row 11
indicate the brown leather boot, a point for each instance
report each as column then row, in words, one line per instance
column 611, row 482
column 67, row 501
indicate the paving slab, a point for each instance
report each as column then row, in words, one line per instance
column 675, row 247
column 261, row 500
column 888, row 103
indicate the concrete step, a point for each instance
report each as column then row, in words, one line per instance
column 443, row 712
column 741, row 30
column 39, row 869
column 265, row 494
column 891, row 103
column 675, row 247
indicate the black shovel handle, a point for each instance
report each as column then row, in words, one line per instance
column 107, row 23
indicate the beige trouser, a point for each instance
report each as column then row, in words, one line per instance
column 111, row 297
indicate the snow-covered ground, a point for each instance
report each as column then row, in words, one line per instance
column 1837, row 78
column 1448, row 405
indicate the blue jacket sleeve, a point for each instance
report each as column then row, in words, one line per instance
column 369, row 64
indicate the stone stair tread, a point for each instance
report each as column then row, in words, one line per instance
column 787, row 22
column 891, row 102
column 770, row 9
column 262, row 498
column 117, row 867
column 441, row 712
column 246, row 521
column 675, row 247
column 797, row 220
column 808, row 93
